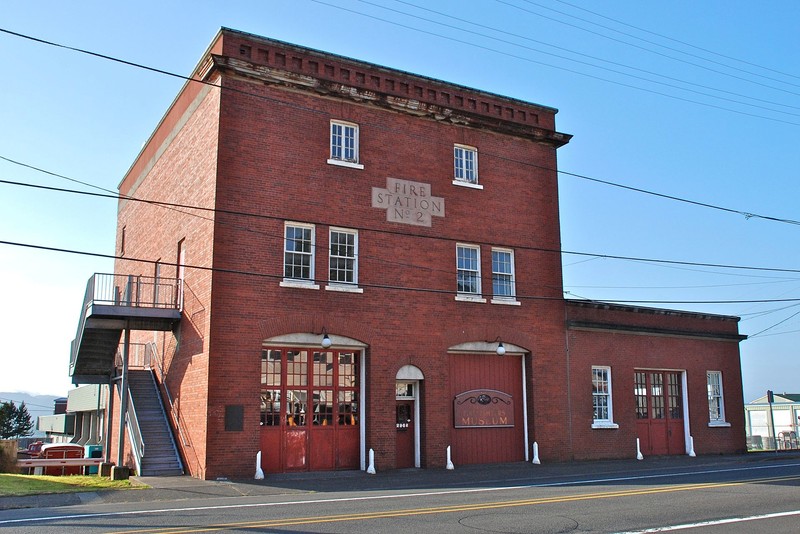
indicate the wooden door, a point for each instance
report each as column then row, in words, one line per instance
column 659, row 412
column 405, row 433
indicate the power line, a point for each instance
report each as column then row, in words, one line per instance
column 378, row 286
column 747, row 215
column 595, row 58
column 706, row 50
column 529, row 60
column 776, row 324
column 652, row 51
column 566, row 252
column 405, row 234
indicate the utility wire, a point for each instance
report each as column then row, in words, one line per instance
column 375, row 286
column 747, row 215
column 529, row 60
column 651, row 51
column 776, row 324
column 403, row 233
column 595, row 58
column 684, row 43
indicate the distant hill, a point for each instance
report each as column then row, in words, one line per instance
column 36, row 404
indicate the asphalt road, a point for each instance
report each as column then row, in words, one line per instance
column 699, row 496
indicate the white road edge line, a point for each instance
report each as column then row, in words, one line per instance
column 383, row 497
column 687, row 526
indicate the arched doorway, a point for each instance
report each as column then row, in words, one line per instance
column 311, row 403
column 407, row 410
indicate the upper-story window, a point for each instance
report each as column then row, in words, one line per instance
column 503, row 285
column 468, row 266
column 343, row 256
column 465, row 165
column 298, row 255
column 344, row 144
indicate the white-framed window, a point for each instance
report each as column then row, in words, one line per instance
column 344, row 144
column 298, row 254
column 343, row 258
column 601, row 398
column 468, row 268
column 465, row 165
column 503, row 284
column 716, row 401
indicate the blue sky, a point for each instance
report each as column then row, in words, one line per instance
column 693, row 100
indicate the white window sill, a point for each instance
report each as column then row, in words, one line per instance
column 470, row 298
column 343, row 163
column 470, row 185
column 507, row 302
column 719, row 424
column 344, row 288
column 298, row 284
column 607, row 424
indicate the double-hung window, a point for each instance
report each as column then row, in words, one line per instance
column 465, row 165
column 468, row 267
column 343, row 259
column 503, row 286
column 601, row 398
column 298, row 253
column 344, row 144
column 716, row 401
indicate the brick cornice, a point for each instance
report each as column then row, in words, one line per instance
column 319, row 86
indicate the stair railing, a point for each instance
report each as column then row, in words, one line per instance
column 135, row 433
column 173, row 412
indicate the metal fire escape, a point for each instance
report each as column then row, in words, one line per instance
column 113, row 305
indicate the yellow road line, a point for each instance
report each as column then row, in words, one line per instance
column 364, row 516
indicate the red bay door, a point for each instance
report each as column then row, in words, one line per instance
column 405, row 433
column 659, row 412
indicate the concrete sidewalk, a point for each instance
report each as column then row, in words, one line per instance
column 166, row 489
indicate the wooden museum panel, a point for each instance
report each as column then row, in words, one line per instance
column 490, row 444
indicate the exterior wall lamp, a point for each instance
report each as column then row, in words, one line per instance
column 501, row 350
column 326, row 341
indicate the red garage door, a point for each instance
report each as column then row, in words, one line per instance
column 659, row 412
column 309, row 410
column 490, row 385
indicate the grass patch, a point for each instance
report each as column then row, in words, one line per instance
column 20, row 485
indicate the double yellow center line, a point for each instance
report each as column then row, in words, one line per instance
column 365, row 516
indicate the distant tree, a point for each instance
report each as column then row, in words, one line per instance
column 7, row 418
column 23, row 424
column 14, row 422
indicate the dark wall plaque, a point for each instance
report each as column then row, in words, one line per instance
column 234, row 417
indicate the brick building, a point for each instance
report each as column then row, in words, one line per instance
column 353, row 257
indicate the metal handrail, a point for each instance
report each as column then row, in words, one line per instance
column 172, row 411
column 134, row 432
column 135, row 291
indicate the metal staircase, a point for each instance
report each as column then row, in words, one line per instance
column 158, row 455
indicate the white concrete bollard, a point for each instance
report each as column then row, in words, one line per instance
column 450, row 465
column 259, row 472
column 536, row 454
column 638, row 451
column 371, row 468
column 691, row 447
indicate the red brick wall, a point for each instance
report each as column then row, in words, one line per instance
column 272, row 161
column 185, row 173
column 626, row 351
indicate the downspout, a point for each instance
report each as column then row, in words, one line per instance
column 569, row 381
